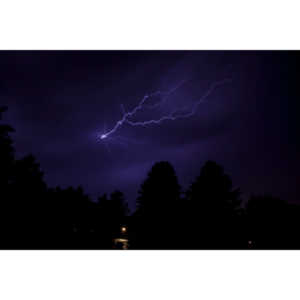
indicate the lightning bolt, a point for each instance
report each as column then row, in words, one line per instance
column 182, row 113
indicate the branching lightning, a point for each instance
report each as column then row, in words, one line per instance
column 182, row 113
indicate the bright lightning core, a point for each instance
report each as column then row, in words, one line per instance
column 174, row 115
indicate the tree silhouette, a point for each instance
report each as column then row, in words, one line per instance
column 212, row 208
column 157, row 207
column 114, row 208
column 7, row 153
column 29, row 189
column 212, row 192
column 160, row 192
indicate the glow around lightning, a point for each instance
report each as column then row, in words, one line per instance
column 187, row 112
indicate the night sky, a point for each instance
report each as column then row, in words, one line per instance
column 60, row 102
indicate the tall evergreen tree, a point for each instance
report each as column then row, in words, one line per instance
column 212, row 214
column 212, row 194
column 160, row 192
column 157, row 208
column 7, row 156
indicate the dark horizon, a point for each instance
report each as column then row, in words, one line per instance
column 59, row 101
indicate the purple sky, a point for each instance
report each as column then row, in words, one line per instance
column 59, row 101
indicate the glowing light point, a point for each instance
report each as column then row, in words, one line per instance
column 103, row 136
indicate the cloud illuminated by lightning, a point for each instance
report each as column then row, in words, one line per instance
column 186, row 112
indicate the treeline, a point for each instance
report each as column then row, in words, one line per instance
column 208, row 215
